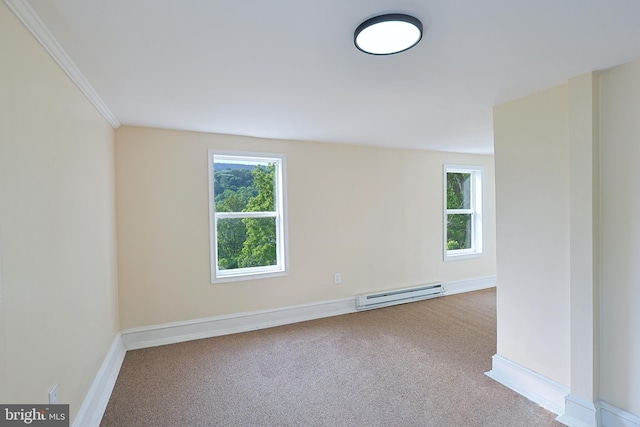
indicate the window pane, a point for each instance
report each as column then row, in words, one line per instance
column 459, row 231
column 246, row 242
column 260, row 247
column 232, row 233
column 241, row 186
column 458, row 190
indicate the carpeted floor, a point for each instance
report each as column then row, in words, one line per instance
column 417, row 364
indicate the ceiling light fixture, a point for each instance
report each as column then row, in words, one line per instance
column 388, row 34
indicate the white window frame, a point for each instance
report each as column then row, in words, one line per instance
column 282, row 255
column 475, row 210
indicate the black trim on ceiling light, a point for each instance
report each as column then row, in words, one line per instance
column 391, row 17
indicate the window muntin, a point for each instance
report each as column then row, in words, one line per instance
column 463, row 211
column 247, row 215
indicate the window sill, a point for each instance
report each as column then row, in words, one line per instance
column 248, row 276
column 462, row 256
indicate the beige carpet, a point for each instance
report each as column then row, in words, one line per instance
column 417, row 364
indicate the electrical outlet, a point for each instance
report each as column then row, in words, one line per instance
column 53, row 395
column 337, row 278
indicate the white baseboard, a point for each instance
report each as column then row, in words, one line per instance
column 573, row 411
column 170, row 333
column 468, row 285
column 579, row 412
column 535, row 387
column 611, row 416
column 95, row 403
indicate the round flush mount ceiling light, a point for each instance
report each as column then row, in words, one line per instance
column 388, row 34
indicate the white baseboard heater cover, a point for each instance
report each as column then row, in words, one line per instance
column 398, row 296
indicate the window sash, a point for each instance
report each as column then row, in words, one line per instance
column 461, row 211
column 471, row 232
column 248, row 270
column 267, row 214
column 474, row 211
column 243, row 273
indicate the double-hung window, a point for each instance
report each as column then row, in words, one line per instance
column 463, row 211
column 247, row 215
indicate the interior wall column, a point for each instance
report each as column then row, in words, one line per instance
column 583, row 119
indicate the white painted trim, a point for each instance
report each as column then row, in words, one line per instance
column 612, row 416
column 579, row 412
column 280, row 214
column 170, row 333
column 535, row 387
column 95, row 403
column 34, row 24
column 468, row 285
column 476, row 210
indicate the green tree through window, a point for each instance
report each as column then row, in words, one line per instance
column 458, row 197
column 259, row 248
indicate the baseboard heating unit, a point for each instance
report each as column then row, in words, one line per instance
column 398, row 296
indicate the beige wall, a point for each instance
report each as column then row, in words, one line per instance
column 372, row 214
column 57, row 227
column 532, row 198
column 567, row 261
column 620, row 238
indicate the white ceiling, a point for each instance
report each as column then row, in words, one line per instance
column 288, row 69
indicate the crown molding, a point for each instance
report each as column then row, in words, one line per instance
column 34, row 24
